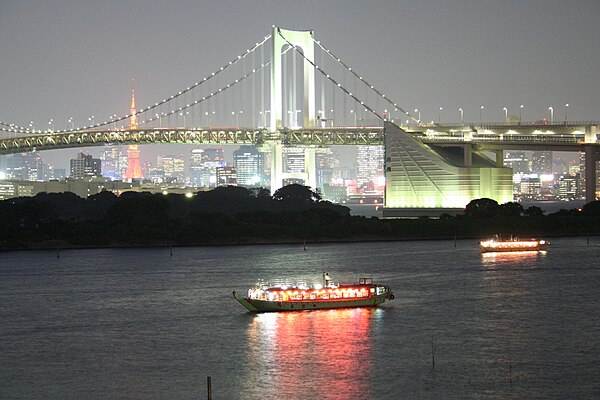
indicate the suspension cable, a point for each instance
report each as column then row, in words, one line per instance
column 318, row 42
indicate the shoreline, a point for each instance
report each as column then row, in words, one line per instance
column 36, row 246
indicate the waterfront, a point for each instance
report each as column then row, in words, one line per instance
column 142, row 324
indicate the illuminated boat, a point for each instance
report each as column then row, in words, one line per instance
column 513, row 244
column 291, row 297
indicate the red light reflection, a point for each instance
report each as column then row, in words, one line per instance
column 512, row 257
column 312, row 354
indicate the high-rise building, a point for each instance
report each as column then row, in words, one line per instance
column 85, row 166
column 517, row 160
column 369, row 167
column 26, row 166
column 531, row 188
column 249, row 164
column 325, row 162
column 197, row 169
column 541, row 162
column 114, row 162
column 213, row 159
column 294, row 160
column 173, row 167
column 226, row 176
column 568, row 187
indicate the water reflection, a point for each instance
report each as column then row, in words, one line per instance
column 312, row 354
column 512, row 258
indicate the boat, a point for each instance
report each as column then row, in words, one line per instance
column 264, row 297
column 499, row 244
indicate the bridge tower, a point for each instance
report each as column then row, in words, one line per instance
column 303, row 40
column 134, row 170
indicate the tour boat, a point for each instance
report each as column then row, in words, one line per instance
column 513, row 244
column 296, row 297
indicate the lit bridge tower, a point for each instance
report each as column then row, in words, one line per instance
column 305, row 41
column 134, row 171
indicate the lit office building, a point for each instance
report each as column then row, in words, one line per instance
column 114, row 162
column 226, row 176
column 517, row 160
column 325, row 164
column 249, row 164
column 568, row 187
column 197, row 173
column 294, row 159
column 85, row 166
column 203, row 166
column 25, row 166
column 541, row 162
column 156, row 175
column 530, row 187
column 173, row 167
column 369, row 167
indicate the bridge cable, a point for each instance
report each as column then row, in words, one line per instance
column 408, row 114
column 21, row 129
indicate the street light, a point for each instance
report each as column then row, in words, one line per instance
column 440, row 115
column 184, row 114
column 566, row 107
column 505, row 114
column 91, row 119
column 461, row 116
column 50, row 124
column 352, row 112
column 481, row 114
column 520, row 114
column 419, row 113
column 551, row 109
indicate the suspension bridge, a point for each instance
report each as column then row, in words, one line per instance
column 290, row 90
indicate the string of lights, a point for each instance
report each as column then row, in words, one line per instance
column 212, row 94
column 359, row 77
column 336, row 83
column 13, row 128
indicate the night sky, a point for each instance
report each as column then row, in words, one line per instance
column 77, row 58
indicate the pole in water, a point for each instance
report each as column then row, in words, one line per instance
column 454, row 240
column 510, row 371
column 171, row 247
column 304, row 244
column 57, row 251
column 433, row 346
column 209, row 387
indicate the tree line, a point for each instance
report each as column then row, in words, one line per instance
column 236, row 215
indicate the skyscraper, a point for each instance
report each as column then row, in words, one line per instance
column 541, row 162
column 369, row 165
column 249, row 164
column 85, row 166
column 226, row 176
column 173, row 167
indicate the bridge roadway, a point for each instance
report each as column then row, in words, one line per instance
column 486, row 137
column 212, row 135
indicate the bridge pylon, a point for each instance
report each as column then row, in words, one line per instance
column 303, row 40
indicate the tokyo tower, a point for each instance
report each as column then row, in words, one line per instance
column 134, row 170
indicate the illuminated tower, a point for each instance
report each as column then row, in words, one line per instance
column 134, row 171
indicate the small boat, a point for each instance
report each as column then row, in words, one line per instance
column 291, row 297
column 499, row 244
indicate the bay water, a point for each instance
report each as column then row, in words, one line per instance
column 143, row 323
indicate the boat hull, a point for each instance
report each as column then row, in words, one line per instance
column 254, row 305
column 485, row 249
